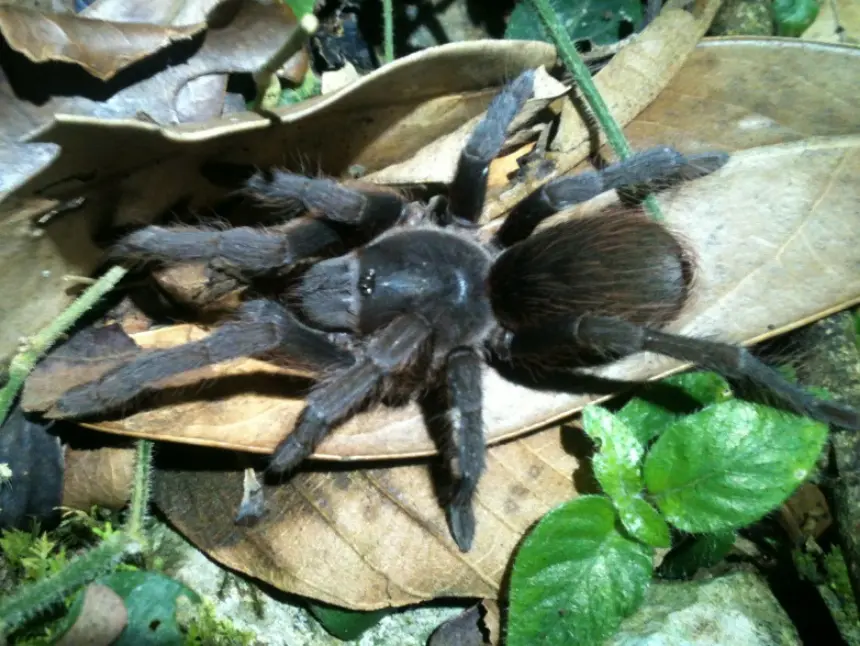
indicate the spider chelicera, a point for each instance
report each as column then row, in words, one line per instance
column 403, row 299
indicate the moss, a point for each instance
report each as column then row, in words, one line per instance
column 203, row 627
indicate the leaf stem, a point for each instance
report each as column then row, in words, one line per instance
column 266, row 75
column 577, row 67
column 34, row 347
column 388, row 25
column 141, row 488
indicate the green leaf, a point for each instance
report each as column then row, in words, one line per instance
column 793, row 17
column 659, row 404
column 617, row 465
column 730, row 464
column 603, row 22
column 346, row 624
column 695, row 552
column 150, row 599
column 643, row 522
column 575, row 577
column 300, row 7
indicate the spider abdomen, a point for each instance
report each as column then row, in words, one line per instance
column 620, row 264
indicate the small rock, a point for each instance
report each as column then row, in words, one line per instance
column 729, row 611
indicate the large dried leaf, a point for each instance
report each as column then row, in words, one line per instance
column 102, row 48
column 377, row 537
column 764, row 265
column 736, row 94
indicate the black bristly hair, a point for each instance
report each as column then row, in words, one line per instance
column 413, row 300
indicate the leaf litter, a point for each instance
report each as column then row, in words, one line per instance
column 384, row 527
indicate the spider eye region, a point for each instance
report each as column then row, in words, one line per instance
column 434, row 273
column 367, row 281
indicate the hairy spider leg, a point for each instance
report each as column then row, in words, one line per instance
column 468, row 190
column 654, row 164
column 465, row 452
column 334, row 398
column 262, row 327
column 614, row 335
column 247, row 249
column 326, row 198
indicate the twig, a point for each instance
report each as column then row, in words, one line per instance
column 388, row 25
column 34, row 347
column 577, row 67
column 265, row 77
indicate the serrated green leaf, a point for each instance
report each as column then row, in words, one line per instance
column 575, row 577
column 793, row 17
column 602, row 22
column 730, row 464
column 346, row 624
column 643, row 522
column 617, row 465
column 695, row 552
column 659, row 404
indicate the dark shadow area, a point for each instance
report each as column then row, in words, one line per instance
column 797, row 595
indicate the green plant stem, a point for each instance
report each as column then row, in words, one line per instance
column 141, row 487
column 34, row 598
column 388, row 28
column 266, row 75
column 34, row 347
column 579, row 70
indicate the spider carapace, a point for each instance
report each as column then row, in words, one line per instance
column 418, row 305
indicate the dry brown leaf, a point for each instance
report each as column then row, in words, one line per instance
column 838, row 21
column 806, row 515
column 97, row 477
column 736, row 94
column 764, row 265
column 102, row 48
column 377, row 537
column 101, row 620
column 492, row 620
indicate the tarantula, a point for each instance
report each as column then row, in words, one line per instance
column 419, row 301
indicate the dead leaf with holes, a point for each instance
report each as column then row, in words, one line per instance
column 764, row 266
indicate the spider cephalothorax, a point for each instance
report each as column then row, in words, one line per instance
column 407, row 300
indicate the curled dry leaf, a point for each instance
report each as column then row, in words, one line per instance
column 764, row 266
column 101, row 619
column 102, row 48
column 376, row 537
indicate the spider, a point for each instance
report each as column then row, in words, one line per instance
column 407, row 299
